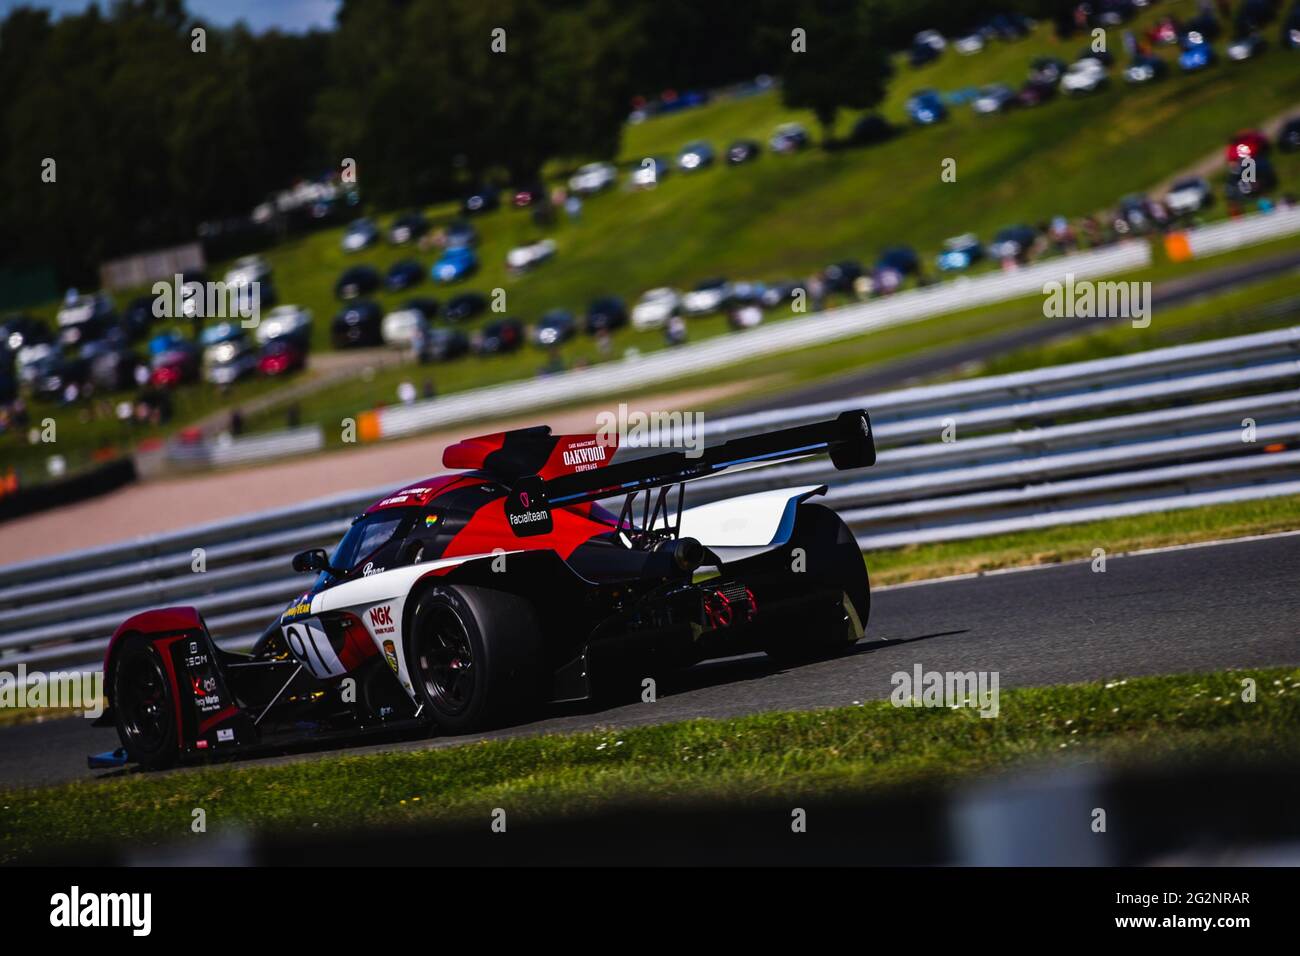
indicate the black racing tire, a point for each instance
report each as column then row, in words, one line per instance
column 144, row 705
column 833, row 561
column 474, row 657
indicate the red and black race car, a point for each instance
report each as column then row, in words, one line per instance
column 465, row 600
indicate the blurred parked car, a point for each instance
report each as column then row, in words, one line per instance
column 176, row 366
column 655, row 308
column 285, row 322
column 926, row 47
column 85, row 317
column 28, row 360
column 1035, row 94
column 777, row 293
column 1188, row 195
column 788, row 138
column 707, row 296
column 528, row 194
column 1202, row 28
column 1013, row 242
column 499, row 337
column 902, row 259
column 357, row 324
column 742, row 151
column 404, row 274
column 464, row 306
column 402, row 327
column 1249, row 142
column 112, row 367
column 59, row 377
column 137, row 317
column 648, row 172
column 1196, row 56
column 969, row 43
column 1165, row 32
column 1246, row 48
column 17, row 331
column 1084, row 76
column 216, row 335
column 693, row 156
column 247, row 270
column 1241, row 183
column 1145, row 69
column 554, row 328
column 360, row 235
column 593, row 178
column 443, row 345
column 1291, row 29
column 840, row 276
column 358, row 280
column 523, row 258
column 229, row 362
column 1136, row 215
column 281, row 356
column 459, row 234
column 993, row 99
column 482, row 200
column 407, row 228
column 925, row 107
column 1046, row 69
column 455, row 264
column 606, row 313
column 1288, row 137
column 960, row 252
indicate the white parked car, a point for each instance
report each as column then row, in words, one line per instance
column 1084, row 76
column 709, row 296
column 247, row 270
column 284, row 320
column 1188, row 195
column 971, row 43
column 523, row 258
column 655, row 308
column 592, row 178
column 403, row 328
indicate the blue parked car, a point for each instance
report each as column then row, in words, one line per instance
column 925, row 107
column 960, row 252
column 168, row 341
column 457, row 263
column 1197, row 56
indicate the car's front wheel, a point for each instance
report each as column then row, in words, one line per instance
column 473, row 656
column 143, row 705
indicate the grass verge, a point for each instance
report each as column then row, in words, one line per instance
column 1074, row 542
column 837, row 751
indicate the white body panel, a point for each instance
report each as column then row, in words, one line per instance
column 378, row 600
column 748, row 521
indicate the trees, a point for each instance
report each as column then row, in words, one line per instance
column 839, row 61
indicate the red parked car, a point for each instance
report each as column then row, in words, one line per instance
column 280, row 357
column 1249, row 142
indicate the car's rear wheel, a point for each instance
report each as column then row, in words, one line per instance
column 473, row 656
column 144, row 706
column 829, row 560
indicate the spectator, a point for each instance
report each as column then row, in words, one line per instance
column 236, row 422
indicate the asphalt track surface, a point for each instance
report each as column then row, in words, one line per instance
column 1209, row 607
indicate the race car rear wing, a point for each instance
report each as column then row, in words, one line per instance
column 847, row 439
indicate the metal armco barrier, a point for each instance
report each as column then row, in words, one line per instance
column 1155, row 431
